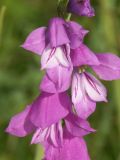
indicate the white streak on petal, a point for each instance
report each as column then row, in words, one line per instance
column 62, row 54
column 56, row 134
column 53, row 135
column 77, row 93
column 48, row 59
column 40, row 136
column 60, row 133
column 56, row 56
column 94, row 88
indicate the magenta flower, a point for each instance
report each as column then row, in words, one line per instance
column 86, row 89
column 74, row 148
column 54, row 42
column 54, row 81
column 40, row 114
column 54, row 133
column 81, row 8
column 58, row 120
column 44, row 117
column 74, row 129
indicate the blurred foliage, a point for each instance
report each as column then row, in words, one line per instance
column 20, row 73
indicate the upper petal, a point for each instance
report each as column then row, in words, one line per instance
column 35, row 41
column 83, row 56
column 49, row 108
column 81, row 7
column 109, row 68
column 76, row 33
column 20, row 125
column 56, row 33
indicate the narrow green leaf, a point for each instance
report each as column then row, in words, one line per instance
column 2, row 15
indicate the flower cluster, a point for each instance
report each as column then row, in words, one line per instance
column 68, row 92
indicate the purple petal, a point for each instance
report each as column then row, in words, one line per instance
column 109, row 68
column 73, row 149
column 76, row 33
column 77, row 126
column 56, row 34
column 20, row 125
column 83, row 56
column 47, row 85
column 54, row 81
column 49, row 108
column 81, row 8
column 35, row 41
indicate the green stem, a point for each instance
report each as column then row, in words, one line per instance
column 68, row 17
column 2, row 14
column 39, row 152
column 62, row 9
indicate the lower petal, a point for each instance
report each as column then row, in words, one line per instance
column 73, row 149
column 48, row 59
column 54, row 81
column 85, row 107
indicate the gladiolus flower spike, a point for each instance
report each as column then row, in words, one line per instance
column 58, row 120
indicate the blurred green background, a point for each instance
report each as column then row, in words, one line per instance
column 20, row 73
